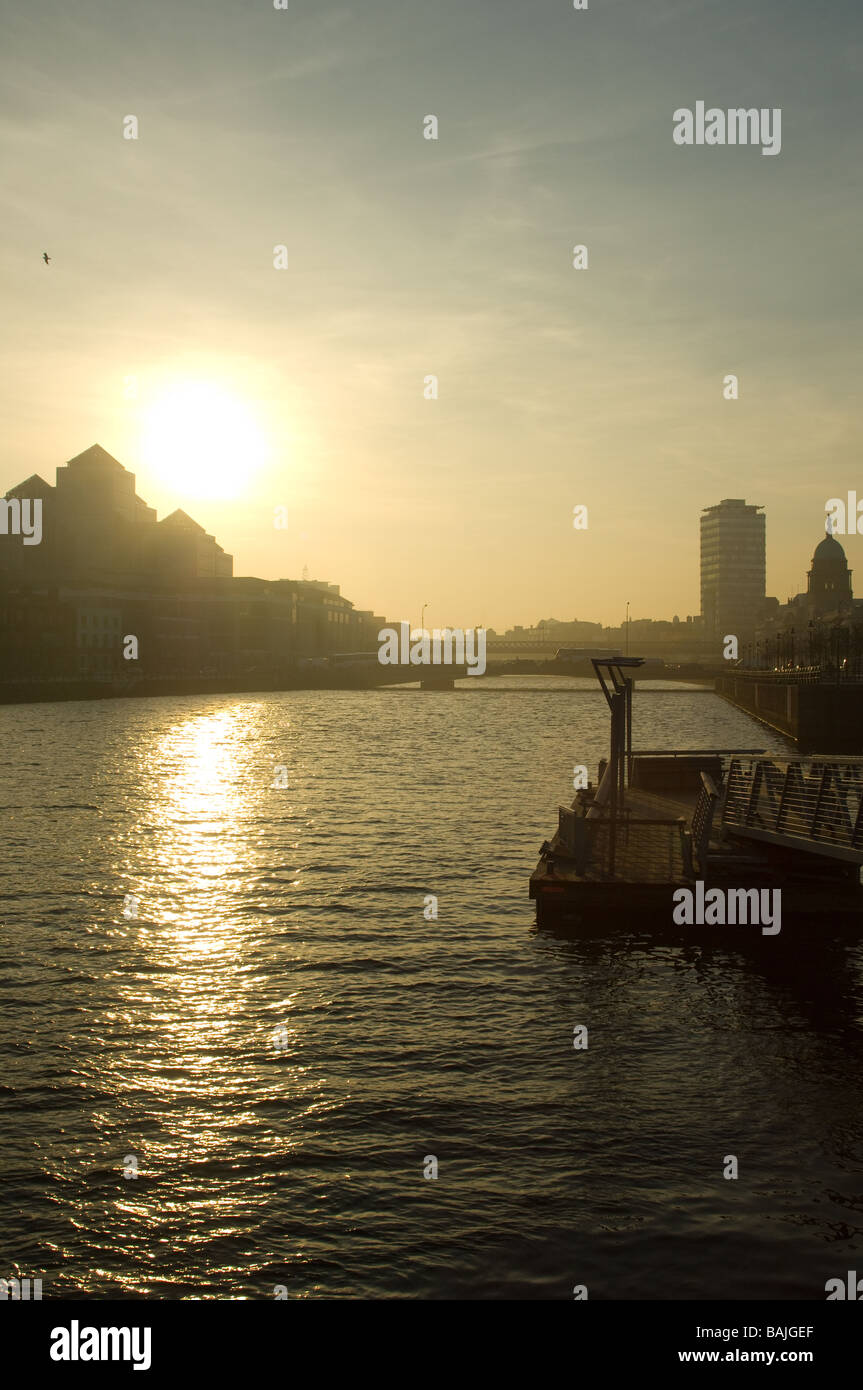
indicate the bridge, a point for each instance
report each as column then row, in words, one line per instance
column 521, row 646
column 814, row 805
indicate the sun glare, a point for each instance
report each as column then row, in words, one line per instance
column 202, row 440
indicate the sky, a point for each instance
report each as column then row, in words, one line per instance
column 162, row 330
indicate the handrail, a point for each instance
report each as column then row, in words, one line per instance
column 696, row 752
column 813, row 804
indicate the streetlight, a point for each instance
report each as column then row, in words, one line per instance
column 627, row 627
column 423, row 619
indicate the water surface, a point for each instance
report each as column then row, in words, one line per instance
column 281, row 1036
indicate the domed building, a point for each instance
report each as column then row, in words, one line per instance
column 829, row 580
column 822, row 627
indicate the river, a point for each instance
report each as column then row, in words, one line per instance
column 238, row 991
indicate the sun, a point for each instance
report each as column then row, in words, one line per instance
column 202, row 440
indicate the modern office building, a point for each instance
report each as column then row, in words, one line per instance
column 96, row 529
column 105, row 569
column 733, row 568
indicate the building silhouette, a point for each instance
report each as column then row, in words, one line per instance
column 829, row 580
column 107, row 569
column 733, row 568
column 822, row 627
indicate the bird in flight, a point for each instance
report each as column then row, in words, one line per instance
column 46, row 258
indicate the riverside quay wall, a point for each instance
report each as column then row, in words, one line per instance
column 820, row 717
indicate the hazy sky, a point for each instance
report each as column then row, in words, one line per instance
column 410, row 257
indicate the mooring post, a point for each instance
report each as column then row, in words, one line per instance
column 617, row 690
column 614, row 756
column 629, row 688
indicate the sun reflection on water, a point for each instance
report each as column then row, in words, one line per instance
column 199, row 1062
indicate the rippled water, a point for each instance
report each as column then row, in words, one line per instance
column 280, row 1037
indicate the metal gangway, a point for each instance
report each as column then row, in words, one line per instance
column 814, row 805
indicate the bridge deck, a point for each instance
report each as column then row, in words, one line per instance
column 814, row 805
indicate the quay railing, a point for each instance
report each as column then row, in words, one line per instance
column 696, row 752
column 814, row 805
column 796, row 675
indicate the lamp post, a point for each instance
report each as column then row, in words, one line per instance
column 627, row 628
column 423, row 619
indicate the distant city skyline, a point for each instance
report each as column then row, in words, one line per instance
column 161, row 328
column 179, row 519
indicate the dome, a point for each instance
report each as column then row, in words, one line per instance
column 829, row 549
column 829, row 580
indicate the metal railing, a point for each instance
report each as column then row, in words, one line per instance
column 702, row 823
column 653, row 848
column 797, row 675
column 813, row 804
column 695, row 752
